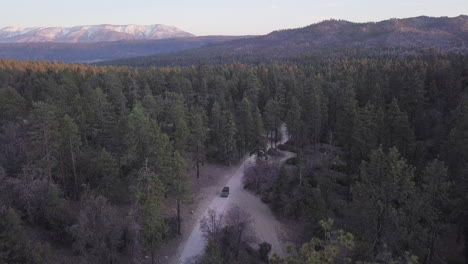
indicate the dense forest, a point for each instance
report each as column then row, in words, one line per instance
column 89, row 155
column 101, row 51
column 327, row 39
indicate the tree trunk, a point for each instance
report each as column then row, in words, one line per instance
column 300, row 177
column 238, row 244
column 272, row 139
column 430, row 250
column 198, row 163
column 228, row 156
column 299, row 164
column 47, row 155
column 378, row 237
column 178, row 218
column 276, row 136
column 152, row 252
column 74, row 167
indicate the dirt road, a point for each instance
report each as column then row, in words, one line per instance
column 265, row 224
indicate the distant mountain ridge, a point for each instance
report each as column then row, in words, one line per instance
column 101, row 51
column 92, row 33
column 327, row 37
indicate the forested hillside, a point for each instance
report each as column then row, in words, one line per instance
column 101, row 51
column 329, row 39
column 88, row 155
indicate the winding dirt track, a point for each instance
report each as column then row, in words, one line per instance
column 266, row 226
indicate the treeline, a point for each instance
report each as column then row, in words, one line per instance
column 231, row 53
column 79, row 143
column 398, row 124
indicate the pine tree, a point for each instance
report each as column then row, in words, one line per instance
column 139, row 136
column 245, row 126
column 70, row 146
column 314, row 106
column 229, row 136
column 258, row 145
column 457, row 147
column 45, row 139
column 328, row 249
column 180, row 186
column 272, row 120
column 150, row 194
column 366, row 133
column 432, row 205
column 252, row 89
column 144, row 140
column 217, row 128
column 12, row 105
column 346, row 117
column 102, row 118
column 294, row 120
column 110, row 184
column 280, row 187
column 198, row 136
column 399, row 133
column 13, row 241
column 382, row 196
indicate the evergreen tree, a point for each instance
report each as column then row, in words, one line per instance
column 383, row 196
column 398, row 132
column 229, row 133
column 44, row 136
column 366, row 133
column 70, row 146
column 12, row 105
column 457, row 149
column 432, row 206
column 315, row 107
column 272, row 120
column 213, row 254
column 329, row 249
column 346, row 117
column 217, row 128
column 198, row 137
column 13, row 242
column 180, row 186
column 294, row 120
column 139, row 136
column 175, row 120
column 102, row 119
column 280, row 187
column 98, row 233
column 252, row 89
column 258, row 134
column 245, row 126
column 110, row 184
column 150, row 195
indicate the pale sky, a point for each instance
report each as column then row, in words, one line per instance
column 217, row 17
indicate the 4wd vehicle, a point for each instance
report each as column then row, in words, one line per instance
column 225, row 192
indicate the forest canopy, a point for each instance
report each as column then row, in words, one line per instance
column 79, row 143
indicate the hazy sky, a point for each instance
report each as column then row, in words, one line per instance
column 210, row 17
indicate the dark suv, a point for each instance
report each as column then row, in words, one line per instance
column 225, row 192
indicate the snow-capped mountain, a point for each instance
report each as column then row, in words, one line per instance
column 95, row 33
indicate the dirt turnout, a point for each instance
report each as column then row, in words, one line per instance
column 266, row 226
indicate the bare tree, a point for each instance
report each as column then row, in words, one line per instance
column 239, row 224
column 261, row 172
column 212, row 225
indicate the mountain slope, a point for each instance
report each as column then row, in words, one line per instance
column 101, row 51
column 446, row 34
column 94, row 33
